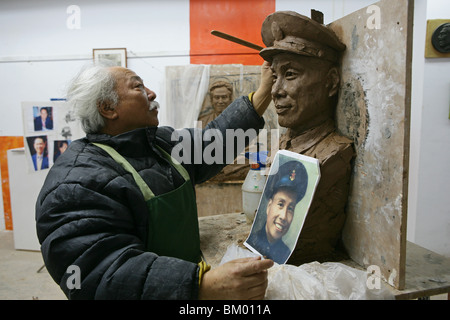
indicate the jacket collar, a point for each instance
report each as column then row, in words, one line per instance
column 134, row 143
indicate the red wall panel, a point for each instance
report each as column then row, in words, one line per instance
column 239, row 18
column 7, row 143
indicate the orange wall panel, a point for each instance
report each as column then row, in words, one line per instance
column 239, row 18
column 7, row 143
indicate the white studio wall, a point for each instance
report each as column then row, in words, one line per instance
column 44, row 44
column 40, row 50
column 432, row 223
column 332, row 9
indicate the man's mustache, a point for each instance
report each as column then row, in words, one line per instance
column 154, row 105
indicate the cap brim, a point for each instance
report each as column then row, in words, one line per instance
column 268, row 53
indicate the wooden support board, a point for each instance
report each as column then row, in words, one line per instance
column 374, row 111
column 218, row 198
column 427, row 273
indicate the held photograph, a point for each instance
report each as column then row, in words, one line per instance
column 284, row 205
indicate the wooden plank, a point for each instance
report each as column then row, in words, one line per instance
column 427, row 273
column 374, row 110
column 220, row 231
column 218, row 198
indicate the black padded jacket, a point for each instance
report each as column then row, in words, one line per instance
column 90, row 213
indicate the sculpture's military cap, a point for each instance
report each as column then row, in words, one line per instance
column 291, row 32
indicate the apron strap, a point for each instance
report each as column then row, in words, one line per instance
column 182, row 170
column 145, row 189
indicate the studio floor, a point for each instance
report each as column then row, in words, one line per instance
column 24, row 277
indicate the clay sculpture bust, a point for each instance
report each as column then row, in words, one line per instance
column 305, row 58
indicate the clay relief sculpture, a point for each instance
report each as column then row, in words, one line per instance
column 221, row 95
column 305, row 57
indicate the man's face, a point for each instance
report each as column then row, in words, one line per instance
column 221, row 98
column 134, row 100
column 63, row 147
column 280, row 212
column 39, row 146
column 300, row 91
column 43, row 114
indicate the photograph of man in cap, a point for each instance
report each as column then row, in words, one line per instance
column 276, row 213
column 305, row 61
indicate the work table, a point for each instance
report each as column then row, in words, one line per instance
column 427, row 273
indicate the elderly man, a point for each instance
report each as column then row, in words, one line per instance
column 118, row 207
column 305, row 61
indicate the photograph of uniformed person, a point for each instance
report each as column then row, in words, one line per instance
column 284, row 190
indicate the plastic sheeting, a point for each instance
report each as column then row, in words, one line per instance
column 185, row 91
column 316, row 281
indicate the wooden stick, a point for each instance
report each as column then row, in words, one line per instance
column 236, row 40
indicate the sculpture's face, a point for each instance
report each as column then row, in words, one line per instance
column 221, row 99
column 301, row 90
column 444, row 37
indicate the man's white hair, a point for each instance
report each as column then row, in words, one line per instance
column 91, row 87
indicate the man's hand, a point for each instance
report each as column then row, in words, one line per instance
column 240, row 279
column 262, row 96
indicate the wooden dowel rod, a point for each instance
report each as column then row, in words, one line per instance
column 236, row 40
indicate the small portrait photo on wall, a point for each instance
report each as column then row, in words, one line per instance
column 43, row 118
column 39, row 152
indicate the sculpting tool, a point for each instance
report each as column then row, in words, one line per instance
column 236, row 40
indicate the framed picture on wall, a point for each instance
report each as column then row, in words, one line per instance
column 118, row 56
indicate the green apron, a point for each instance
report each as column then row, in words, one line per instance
column 173, row 221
